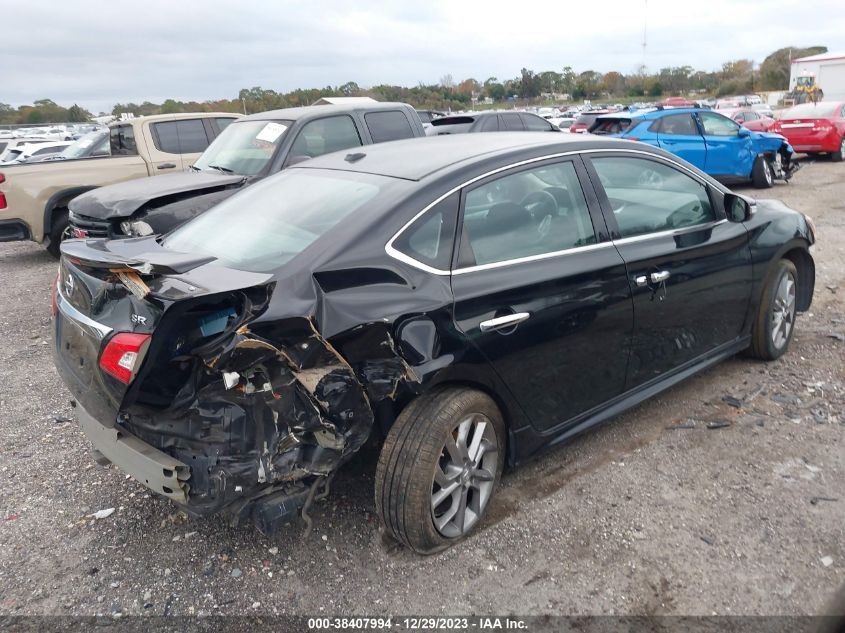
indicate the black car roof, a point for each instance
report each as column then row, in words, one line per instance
column 414, row 159
column 304, row 112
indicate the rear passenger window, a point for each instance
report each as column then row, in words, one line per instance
column 122, row 141
column 680, row 124
column 429, row 239
column 512, row 121
column 648, row 197
column 180, row 137
column 535, row 123
column 532, row 212
column 322, row 136
column 388, row 126
column 490, row 123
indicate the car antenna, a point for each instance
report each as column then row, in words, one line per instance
column 351, row 158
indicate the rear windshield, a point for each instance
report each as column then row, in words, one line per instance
column 811, row 111
column 244, row 148
column 266, row 225
column 611, row 126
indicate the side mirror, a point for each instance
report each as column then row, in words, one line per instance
column 743, row 132
column 737, row 208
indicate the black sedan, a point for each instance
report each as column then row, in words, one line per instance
column 467, row 301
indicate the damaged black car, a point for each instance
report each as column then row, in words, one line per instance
column 466, row 301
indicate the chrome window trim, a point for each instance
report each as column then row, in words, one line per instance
column 670, row 233
column 575, row 250
column 97, row 329
column 407, row 259
column 390, row 250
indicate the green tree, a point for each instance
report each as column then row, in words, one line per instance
column 350, row 88
column 75, row 114
column 529, row 84
column 775, row 69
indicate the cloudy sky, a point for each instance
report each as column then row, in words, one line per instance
column 99, row 53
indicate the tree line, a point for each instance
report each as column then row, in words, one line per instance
column 734, row 77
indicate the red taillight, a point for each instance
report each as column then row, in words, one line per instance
column 2, row 178
column 122, row 353
column 2, row 200
column 631, row 138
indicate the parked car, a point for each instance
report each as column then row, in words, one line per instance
column 247, row 151
column 750, row 118
column 21, row 153
column 763, row 110
column 490, row 121
column 91, row 145
column 472, row 302
column 677, row 102
column 34, row 198
column 712, row 142
column 813, row 128
column 426, row 116
column 563, row 123
column 585, row 120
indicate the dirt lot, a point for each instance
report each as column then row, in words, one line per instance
column 632, row 518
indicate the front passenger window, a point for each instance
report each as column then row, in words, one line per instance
column 532, row 212
column 648, row 197
column 717, row 125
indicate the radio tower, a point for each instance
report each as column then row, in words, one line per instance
column 645, row 32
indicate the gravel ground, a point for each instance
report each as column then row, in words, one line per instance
column 631, row 518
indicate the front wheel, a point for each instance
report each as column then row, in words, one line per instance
column 839, row 155
column 439, row 467
column 775, row 320
column 59, row 232
column 761, row 173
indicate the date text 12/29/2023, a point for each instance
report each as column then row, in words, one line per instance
column 417, row 623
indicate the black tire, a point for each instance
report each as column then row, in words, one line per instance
column 58, row 231
column 839, row 155
column 414, row 448
column 763, row 342
column 761, row 173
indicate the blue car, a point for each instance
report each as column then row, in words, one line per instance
column 712, row 142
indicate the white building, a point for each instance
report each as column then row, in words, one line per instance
column 827, row 68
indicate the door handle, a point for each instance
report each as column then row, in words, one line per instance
column 502, row 322
column 663, row 275
column 641, row 280
column 166, row 166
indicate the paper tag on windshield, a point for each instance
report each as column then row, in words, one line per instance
column 271, row 132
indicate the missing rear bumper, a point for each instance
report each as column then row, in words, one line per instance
column 156, row 470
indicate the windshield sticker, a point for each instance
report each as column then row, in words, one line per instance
column 271, row 132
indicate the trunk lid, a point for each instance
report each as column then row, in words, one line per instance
column 105, row 288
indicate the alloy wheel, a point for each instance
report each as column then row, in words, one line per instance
column 783, row 311
column 464, row 476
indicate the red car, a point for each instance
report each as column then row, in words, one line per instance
column 585, row 120
column 677, row 102
column 752, row 119
column 815, row 127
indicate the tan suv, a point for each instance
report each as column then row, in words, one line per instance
column 34, row 198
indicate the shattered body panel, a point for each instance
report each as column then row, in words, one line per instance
column 268, row 402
